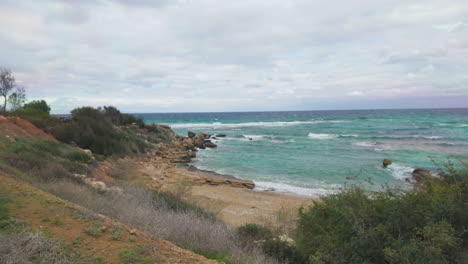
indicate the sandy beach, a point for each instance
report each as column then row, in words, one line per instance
column 225, row 196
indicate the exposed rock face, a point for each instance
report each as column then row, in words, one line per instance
column 386, row 162
column 221, row 135
column 419, row 174
column 190, row 134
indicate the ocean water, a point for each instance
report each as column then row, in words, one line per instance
column 314, row 153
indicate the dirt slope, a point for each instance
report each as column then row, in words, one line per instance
column 96, row 238
column 14, row 127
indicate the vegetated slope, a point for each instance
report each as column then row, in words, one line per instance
column 13, row 127
column 33, row 155
column 88, row 237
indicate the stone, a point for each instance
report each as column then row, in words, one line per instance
column 419, row 174
column 221, row 135
column 386, row 162
column 133, row 232
column 190, row 134
column 88, row 152
column 210, row 144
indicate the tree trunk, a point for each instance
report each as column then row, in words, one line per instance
column 4, row 104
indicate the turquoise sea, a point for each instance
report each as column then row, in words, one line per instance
column 317, row 152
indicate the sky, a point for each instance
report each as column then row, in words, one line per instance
column 243, row 55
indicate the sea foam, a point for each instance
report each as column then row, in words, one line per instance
column 251, row 124
column 314, row 192
column 322, row 136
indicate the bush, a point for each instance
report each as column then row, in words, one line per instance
column 37, row 105
column 426, row 224
column 25, row 246
column 254, row 232
column 95, row 129
column 45, row 160
column 40, row 119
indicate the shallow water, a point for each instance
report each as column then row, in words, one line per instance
column 317, row 152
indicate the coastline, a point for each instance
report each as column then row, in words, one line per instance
column 234, row 200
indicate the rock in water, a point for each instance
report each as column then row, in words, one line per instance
column 419, row 174
column 386, row 162
column 210, row 144
column 221, row 135
column 190, row 134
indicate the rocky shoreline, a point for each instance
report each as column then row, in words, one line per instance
column 180, row 152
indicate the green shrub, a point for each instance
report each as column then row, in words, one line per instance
column 96, row 129
column 254, row 232
column 40, row 119
column 45, row 160
column 38, row 105
column 426, row 224
column 137, row 255
column 4, row 212
column 173, row 203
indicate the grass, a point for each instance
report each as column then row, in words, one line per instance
column 163, row 216
column 4, row 212
column 95, row 230
column 138, row 255
column 115, row 234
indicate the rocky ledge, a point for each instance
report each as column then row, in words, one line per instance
column 182, row 150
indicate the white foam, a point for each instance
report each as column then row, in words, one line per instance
column 463, row 125
column 254, row 137
column 399, row 171
column 349, row 135
column 315, row 192
column 427, row 137
column 249, row 124
column 365, row 144
column 322, row 136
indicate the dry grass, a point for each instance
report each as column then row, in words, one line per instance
column 124, row 170
column 188, row 227
column 30, row 247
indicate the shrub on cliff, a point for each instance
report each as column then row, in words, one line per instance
column 427, row 224
column 38, row 113
column 97, row 129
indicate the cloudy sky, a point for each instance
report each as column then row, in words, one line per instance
column 243, row 55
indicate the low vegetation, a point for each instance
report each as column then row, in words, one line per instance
column 19, row 244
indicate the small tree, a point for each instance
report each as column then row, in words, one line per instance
column 38, row 105
column 7, row 84
column 17, row 98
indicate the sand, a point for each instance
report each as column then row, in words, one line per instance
column 235, row 205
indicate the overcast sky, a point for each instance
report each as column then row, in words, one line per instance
column 242, row 55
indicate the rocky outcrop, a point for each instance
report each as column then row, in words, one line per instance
column 210, row 144
column 224, row 181
column 191, row 134
column 220, row 135
column 419, row 174
column 386, row 162
column 183, row 150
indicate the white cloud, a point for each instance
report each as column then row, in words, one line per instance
column 209, row 55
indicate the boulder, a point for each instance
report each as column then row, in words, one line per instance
column 210, row 144
column 203, row 135
column 419, row 174
column 190, row 134
column 88, row 152
column 386, row 162
column 221, row 135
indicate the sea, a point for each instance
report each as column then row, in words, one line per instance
column 315, row 153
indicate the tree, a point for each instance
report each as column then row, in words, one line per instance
column 7, row 84
column 17, row 98
column 39, row 105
